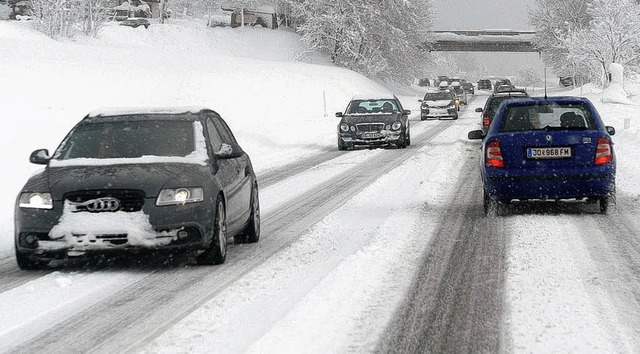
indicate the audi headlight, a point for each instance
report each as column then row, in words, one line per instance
column 180, row 196
column 35, row 200
column 396, row 126
column 344, row 127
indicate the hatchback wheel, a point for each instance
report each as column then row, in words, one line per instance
column 490, row 205
column 252, row 232
column 216, row 253
column 604, row 205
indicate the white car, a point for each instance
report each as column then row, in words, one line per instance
column 439, row 104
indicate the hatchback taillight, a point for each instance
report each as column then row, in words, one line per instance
column 485, row 120
column 604, row 154
column 494, row 155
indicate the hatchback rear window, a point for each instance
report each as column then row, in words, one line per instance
column 548, row 116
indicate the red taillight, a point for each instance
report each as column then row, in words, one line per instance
column 494, row 154
column 485, row 120
column 604, row 153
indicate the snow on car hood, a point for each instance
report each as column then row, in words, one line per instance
column 148, row 178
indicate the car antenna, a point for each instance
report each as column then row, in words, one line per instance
column 545, row 82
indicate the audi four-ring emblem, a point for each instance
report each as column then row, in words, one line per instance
column 101, row 204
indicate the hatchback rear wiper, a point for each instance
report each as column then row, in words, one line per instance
column 548, row 127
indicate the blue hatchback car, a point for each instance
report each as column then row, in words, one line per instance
column 554, row 148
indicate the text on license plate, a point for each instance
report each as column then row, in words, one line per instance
column 560, row 152
column 371, row 135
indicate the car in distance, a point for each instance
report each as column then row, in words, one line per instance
column 492, row 104
column 424, row 82
column 374, row 120
column 566, row 81
column 484, row 84
column 136, row 22
column 439, row 104
column 468, row 87
column 504, row 88
column 547, row 149
column 134, row 180
column 441, row 79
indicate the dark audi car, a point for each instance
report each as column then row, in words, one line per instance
column 139, row 180
column 374, row 121
column 554, row 148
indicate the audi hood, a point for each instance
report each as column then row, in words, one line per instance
column 150, row 178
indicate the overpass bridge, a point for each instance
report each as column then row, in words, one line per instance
column 482, row 41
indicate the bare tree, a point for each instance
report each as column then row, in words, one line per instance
column 65, row 18
column 50, row 17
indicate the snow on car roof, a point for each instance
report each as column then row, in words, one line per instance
column 373, row 96
column 120, row 111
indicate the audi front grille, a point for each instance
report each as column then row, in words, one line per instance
column 106, row 200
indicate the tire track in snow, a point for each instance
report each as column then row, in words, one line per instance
column 455, row 304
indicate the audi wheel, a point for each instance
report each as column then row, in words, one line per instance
column 216, row 253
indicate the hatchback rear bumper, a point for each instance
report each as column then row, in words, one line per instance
column 551, row 187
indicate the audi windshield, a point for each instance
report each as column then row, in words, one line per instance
column 128, row 139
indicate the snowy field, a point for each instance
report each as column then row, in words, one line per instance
column 281, row 110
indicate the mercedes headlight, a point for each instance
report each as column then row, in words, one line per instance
column 173, row 196
column 396, row 126
column 36, row 200
column 344, row 127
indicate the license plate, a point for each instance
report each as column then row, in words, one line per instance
column 371, row 135
column 560, row 152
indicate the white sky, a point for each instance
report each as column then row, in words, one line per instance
column 482, row 14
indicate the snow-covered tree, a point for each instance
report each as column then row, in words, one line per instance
column 64, row 18
column 5, row 11
column 582, row 37
column 375, row 37
column 613, row 35
column 50, row 17
column 528, row 76
column 555, row 22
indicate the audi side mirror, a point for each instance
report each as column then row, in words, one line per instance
column 40, row 157
column 229, row 152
